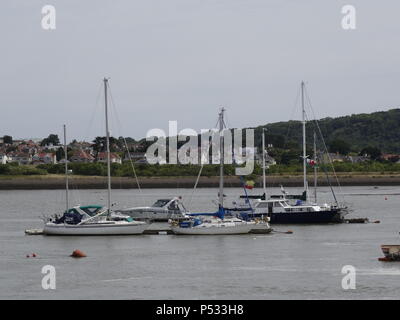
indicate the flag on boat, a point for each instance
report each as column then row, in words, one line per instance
column 249, row 184
column 311, row 162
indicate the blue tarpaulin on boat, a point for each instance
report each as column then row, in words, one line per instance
column 220, row 214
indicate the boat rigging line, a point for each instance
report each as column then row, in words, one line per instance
column 201, row 168
column 325, row 147
column 126, row 145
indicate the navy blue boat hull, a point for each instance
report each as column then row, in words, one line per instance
column 328, row 216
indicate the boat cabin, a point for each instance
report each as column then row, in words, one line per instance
column 169, row 204
column 80, row 213
column 282, row 205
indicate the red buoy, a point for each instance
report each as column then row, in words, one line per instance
column 34, row 255
column 77, row 254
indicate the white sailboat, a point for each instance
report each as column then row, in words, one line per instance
column 212, row 225
column 216, row 223
column 93, row 220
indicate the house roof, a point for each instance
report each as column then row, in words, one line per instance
column 103, row 155
column 82, row 155
column 45, row 154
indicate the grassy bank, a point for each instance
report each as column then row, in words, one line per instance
column 57, row 181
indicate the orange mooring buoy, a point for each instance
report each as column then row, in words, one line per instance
column 78, row 254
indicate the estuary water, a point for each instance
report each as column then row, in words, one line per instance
column 304, row 265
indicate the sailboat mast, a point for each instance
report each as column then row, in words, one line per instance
column 221, row 152
column 66, row 169
column 315, row 168
column 263, row 159
column 108, row 147
column 304, row 140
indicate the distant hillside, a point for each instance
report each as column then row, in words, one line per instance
column 378, row 129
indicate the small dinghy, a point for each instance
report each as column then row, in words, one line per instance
column 391, row 252
column 33, row 232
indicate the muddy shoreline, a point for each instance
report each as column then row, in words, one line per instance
column 79, row 182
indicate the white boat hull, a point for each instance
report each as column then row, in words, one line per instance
column 213, row 230
column 95, row 229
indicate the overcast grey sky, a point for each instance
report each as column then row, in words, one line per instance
column 182, row 59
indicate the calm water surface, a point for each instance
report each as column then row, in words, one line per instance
column 304, row 265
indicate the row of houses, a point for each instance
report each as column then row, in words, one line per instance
column 27, row 152
column 81, row 156
column 26, row 158
column 334, row 157
column 30, row 152
column 50, row 158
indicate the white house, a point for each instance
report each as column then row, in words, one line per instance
column 43, row 157
column 114, row 158
column 22, row 158
column 82, row 157
column 4, row 158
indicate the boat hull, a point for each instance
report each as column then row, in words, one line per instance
column 391, row 252
column 328, row 216
column 94, row 229
column 242, row 229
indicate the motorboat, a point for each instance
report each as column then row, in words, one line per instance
column 161, row 211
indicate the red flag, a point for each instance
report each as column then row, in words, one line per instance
column 249, row 185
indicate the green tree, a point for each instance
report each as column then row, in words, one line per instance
column 51, row 139
column 373, row 152
column 8, row 139
column 340, row 146
column 290, row 157
column 100, row 144
column 60, row 154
